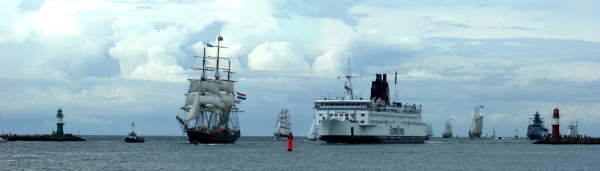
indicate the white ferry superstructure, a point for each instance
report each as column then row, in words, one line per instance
column 354, row 120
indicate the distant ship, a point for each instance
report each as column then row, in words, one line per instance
column 477, row 125
column 350, row 119
column 573, row 130
column 2, row 140
column 209, row 114
column 448, row 129
column 536, row 130
column 516, row 133
column 428, row 131
column 132, row 136
column 283, row 127
column 493, row 132
column 312, row 133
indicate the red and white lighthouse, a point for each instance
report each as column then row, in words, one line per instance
column 555, row 123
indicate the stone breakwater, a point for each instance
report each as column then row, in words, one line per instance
column 568, row 141
column 43, row 137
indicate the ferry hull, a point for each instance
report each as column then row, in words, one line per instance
column 212, row 138
column 338, row 131
column 373, row 139
column 447, row 136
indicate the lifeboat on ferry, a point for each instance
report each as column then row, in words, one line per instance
column 379, row 102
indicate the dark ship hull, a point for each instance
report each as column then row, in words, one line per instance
column 280, row 136
column 134, row 140
column 215, row 137
column 447, row 136
column 535, row 136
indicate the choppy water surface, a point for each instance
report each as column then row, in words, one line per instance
column 262, row 153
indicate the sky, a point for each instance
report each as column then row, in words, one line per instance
column 109, row 63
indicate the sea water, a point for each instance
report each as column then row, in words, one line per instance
column 265, row 153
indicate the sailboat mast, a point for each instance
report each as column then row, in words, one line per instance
column 218, row 48
column 203, row 67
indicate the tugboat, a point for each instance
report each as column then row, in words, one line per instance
column 210, row 112
column 132, row 137
column 536, row 130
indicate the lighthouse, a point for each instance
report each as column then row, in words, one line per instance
column 59, row 122
column 555, row 123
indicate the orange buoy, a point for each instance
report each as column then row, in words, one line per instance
column 289, row 139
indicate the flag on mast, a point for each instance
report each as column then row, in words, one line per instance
column 241, row 96
column 220, row 38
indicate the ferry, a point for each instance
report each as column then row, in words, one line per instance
column 375, row 120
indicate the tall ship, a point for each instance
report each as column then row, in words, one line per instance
column 536, row 130
column 351, row 119
column 2, row 140
column 477, row 125
column 448, row 129
column 573, row 130
column 283, row 126
column 428, row 131
column 209, row 114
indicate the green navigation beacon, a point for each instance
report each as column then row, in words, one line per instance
column 59, row 122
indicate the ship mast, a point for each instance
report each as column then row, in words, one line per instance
column 348, row 85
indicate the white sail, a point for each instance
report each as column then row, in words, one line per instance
column 312, row 134
column 493, row 133
column 194, row 110
column 214, row 100
column 228, row 99
column 189, row 99
column 203, row 86
column 226, row 85
column 573, row 130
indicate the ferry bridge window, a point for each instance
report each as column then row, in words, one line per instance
column 362, row 114
column 330, row 114
column 346, row 115
column 351, row 114
column 362, row 121
column 335, row 114
column 320, row 114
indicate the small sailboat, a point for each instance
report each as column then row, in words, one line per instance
column 516, row 133
column 493, row 132
column 312, row 134
column 283, row 126
column 132, row 137
column 2, row 140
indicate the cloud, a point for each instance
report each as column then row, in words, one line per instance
column 277, row 56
